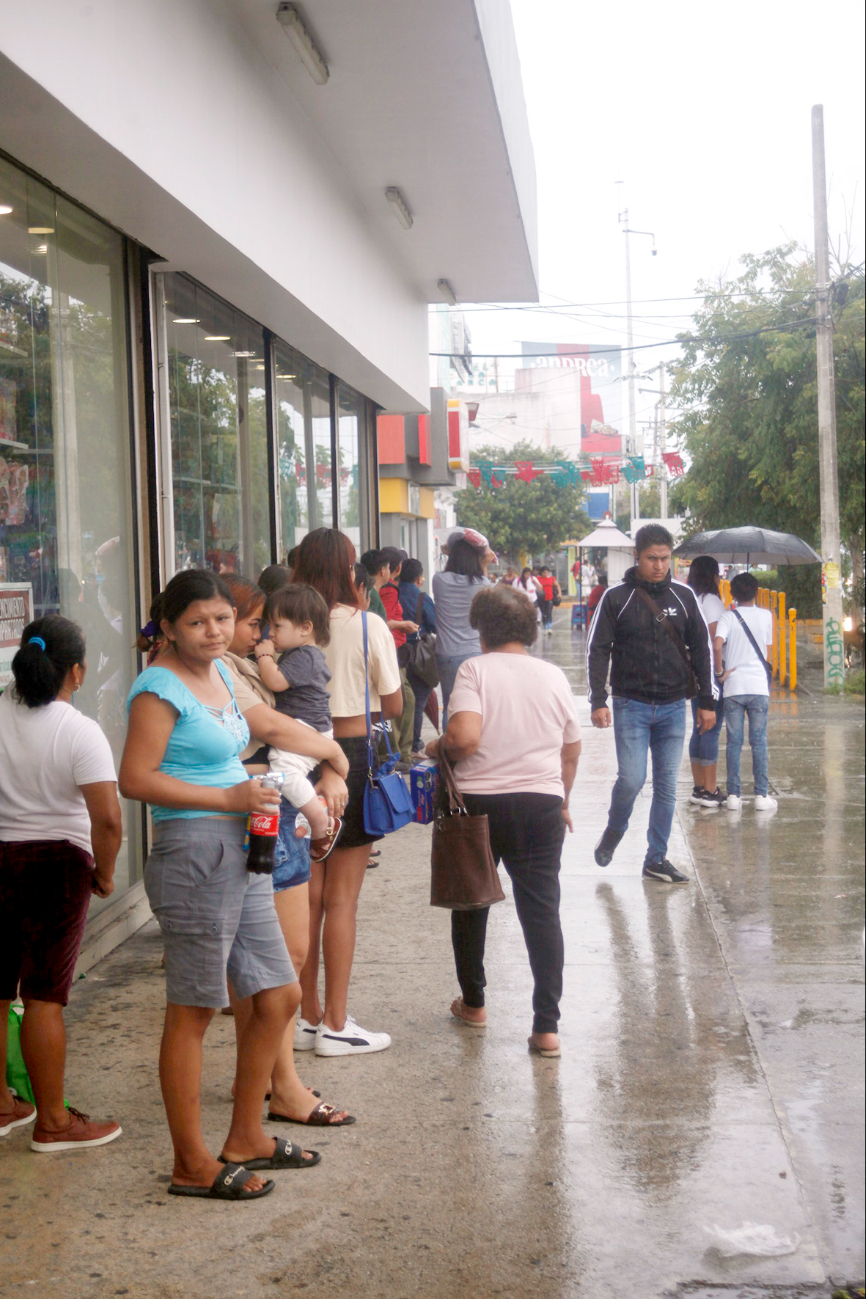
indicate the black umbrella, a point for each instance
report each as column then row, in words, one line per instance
column 749, row 546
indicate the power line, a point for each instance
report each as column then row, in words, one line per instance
column 668, row 342
column 563, row 305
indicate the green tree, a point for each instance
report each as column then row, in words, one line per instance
column 749, row 419
column 535, row 517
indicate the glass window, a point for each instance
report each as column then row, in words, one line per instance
column 352, row 457
column 303, row 411
column 65, row 473
column 215, row 363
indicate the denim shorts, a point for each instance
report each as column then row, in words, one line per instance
column 216, row 917
column 292, row 855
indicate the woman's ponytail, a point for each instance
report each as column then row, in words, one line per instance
column 50, row 646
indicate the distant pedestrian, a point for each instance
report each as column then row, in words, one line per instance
column 529, row 584
column 469, row 554
column 744, row 639
column 653, row 630
column 704, row 745
column 594, row 598
column 401, row 623
column 551, row 593
column 60, row 832
column 417, row 606
column 514, row 734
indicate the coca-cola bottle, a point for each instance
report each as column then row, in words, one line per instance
column 262, row 828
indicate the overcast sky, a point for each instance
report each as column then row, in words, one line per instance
column 703, row 111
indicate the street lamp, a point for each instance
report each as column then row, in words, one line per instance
column 622, row 218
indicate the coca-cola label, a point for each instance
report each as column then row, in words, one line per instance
column 266, row 824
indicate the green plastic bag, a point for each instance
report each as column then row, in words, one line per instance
column 16, row 1073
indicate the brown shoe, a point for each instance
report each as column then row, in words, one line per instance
column 22, row 1112
column 80, row 1134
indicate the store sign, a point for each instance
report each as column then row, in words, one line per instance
column 16, row 611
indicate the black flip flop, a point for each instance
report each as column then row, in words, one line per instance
column 320, row 1117
column 227, row 1185
column 286, row 1155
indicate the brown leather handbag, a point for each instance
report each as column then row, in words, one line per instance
column 463, row 873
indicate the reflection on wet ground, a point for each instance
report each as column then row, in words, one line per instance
column 711, row 1076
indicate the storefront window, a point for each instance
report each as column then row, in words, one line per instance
column 352, row 449
column 215, row 363
column 303, row 407
column 65, row 473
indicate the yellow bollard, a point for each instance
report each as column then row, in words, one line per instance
column 792, row 652
column 726, row 592
column 775, row 653
column 783, row 633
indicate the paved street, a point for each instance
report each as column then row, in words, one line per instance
column 712, row 1075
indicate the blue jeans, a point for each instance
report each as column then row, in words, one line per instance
column 448, row 668
column 736, row 709
column 291, row 855
column 422, row 694
column 661, row 730
column 704, row 747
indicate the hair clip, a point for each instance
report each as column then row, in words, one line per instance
column 37, row 640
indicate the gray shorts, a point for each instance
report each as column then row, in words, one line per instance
column 216, row 917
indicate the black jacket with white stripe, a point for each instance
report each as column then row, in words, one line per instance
column 647, row 666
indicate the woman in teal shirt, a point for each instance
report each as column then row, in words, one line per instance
column 181, row 756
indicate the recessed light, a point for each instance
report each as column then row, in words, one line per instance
column 260, row 367
column 5, row 209
column 40, row 230
column 247, row 354
column 186, row 320
column 217, row 338
column 42, row 248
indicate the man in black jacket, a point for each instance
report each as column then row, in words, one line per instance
column 653, row 629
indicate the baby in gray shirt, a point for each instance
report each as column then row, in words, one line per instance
column 298, row 625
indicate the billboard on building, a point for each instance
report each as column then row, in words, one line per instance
column 598, row 370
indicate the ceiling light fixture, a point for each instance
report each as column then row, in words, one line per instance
column 186, row 320
column 5, row 209
column 40, row 230
column 293, row 25
column 42, row 248
column 444, row 287
column 217, row 338
column 400, row 206
column 244, row 354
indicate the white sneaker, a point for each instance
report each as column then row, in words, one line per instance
column 733, row 802
column 349, row 1040
column 765, row 803
column 305, row 1034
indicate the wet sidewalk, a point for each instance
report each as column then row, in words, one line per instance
column 712, row 1075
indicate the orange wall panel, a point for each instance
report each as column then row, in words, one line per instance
column 391, row 439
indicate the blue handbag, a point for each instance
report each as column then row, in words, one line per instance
column 387, row 804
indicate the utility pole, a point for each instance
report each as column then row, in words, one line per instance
column 632, row 410
column 662, row 446
column 834, row 648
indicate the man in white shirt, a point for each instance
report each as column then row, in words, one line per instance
column 747, row 687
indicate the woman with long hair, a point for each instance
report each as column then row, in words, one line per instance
column 453, row 591
column 218, row 919
column 704, row 745
column 290, row 1100
column 326, row 561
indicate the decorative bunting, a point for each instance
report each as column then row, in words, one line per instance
column 485, row 468
column 600, row 471
column 474, row 476
column 634, row 470
column 525, row 471
column 674, row 462
column 569, row 468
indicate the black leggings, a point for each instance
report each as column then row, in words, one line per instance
column 526, row 834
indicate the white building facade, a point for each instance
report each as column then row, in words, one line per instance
column 209, row 291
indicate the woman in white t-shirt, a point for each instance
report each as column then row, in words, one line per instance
column 529, row 584
column 514, row 735
column 326, row 561
column 60, row 831
column 704, row 745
